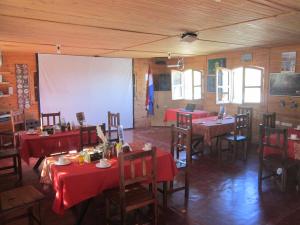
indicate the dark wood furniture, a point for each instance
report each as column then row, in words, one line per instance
column 9, row 151
column 23, row 199
column 277, row 163
column 50, row 119
column 80, row 118
column 18, row 123
column 113, row 123
column 245, row 110
column 269, row 120
column 86, row 139
column 131, row 195
column 184, row 120
column 239, row 136
column 180, row 138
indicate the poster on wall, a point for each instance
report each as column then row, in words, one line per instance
column 211, row 83
column 22, row 78
column 213, row 64
column 288, row 62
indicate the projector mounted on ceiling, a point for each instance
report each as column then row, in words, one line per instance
column 189, row 37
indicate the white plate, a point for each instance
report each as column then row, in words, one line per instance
column 294, row 139
column 66, row 162
column 103, row 167
column 297, row 129
column 146, row 149
column 34, row 132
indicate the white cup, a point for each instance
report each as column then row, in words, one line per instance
column 294, row 136
column 61, row 159
column 103, row 162
column 148, row 146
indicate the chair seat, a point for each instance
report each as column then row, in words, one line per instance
column 19, row 197
column 8, row 153
column 135, row 197
column 238, row 138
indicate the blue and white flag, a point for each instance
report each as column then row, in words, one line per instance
column 149, row 103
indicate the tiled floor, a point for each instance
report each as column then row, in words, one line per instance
column 221, row 194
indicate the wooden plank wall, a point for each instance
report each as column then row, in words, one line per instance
column 10, row 59
column 268, row 58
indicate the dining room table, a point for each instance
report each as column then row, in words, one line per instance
column 212, row 127
column 77, row 182
column 39, row 145
column 171, row 114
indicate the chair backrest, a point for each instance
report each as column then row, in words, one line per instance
column 8, row 140
column 50, row 119
column 181, row 138
column 241, row 125
column 245, row 110
column 269, row 120
column 80, row 118
column 183, row 120
column 88, row 137
column 139, row 171
column 17, row 121
column 113, row 123
column 276, row 138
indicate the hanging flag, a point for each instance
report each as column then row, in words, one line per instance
column 149, row 103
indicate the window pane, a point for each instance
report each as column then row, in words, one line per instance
column 237, row 91
column 177, row 92
column 223, row 97
column 197, row 92
column 252, row 95
column 252, row 77
column 176, row 77
column 188, row 84
column 197, row 78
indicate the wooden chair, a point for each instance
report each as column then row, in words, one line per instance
column 245, row 110
column 113, row 123
column 131, row 195
column 51, row 119
column 269, row 120
column 88, row 137
column 180, row 138
column 17, row 121
column 9, row 151
column 275, row 138
column 240, row 135
column 184, row 120
column 23, row 199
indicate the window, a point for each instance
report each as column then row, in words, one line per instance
column 186, row 84
column 240, row 85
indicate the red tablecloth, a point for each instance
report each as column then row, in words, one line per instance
column 75, row 183
column 34, row 145
column 291, row 145
column 210, row 127
column 170, row 114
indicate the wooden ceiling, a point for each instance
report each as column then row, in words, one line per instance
column 146, row 28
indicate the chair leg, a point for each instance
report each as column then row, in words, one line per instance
column 165, row 193
column 107, row 211
column 260, row 171
column 283, row 180
column 155, row 213
column 15, row 164
column 30, row 216
column 20, row 174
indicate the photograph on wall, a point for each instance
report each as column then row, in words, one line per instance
column 162, row 82
column 288, row 62
column 211, row 83
column 213, row 64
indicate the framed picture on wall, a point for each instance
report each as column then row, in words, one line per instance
column 211, row 83
column 288, row 62
column 215, row 63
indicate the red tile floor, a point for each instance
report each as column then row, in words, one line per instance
column 220, row 194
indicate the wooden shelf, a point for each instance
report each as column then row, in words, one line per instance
column 4, row 83
column 3, row 96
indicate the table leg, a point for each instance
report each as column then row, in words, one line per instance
column 38, row 163
column 82, row 208
column 165, row 195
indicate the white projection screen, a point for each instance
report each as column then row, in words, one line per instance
column 93, row 85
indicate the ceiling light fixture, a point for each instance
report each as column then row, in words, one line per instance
column 58, row 49
column 189, row 37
